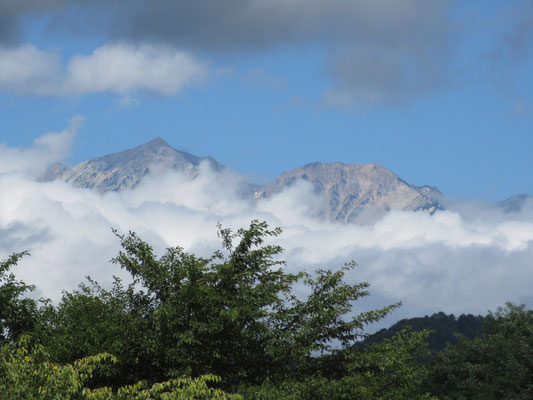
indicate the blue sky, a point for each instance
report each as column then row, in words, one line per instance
column 438, row 92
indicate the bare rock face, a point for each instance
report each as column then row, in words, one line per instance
column 352, row 193
column 357, row 193
column 124, row 170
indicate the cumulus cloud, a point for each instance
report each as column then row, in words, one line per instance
column 117, row 68
column 467, row 259
column 360, row 35
column 123, row 68
column 377, row 51
column 26, row 68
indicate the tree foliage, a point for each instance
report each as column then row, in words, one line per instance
column 444, row 328
column 93, row 320
column 496, row 365
column 390, row 370
column 189, row 327
column 16, row 311
column 27, row 374
column 233, row 314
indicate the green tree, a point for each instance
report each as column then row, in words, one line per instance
column 444, row 329
column 233, row 315
column 92, row 320
column 393, row 369
column 26, row 373
column 496, row 365
column 16, row 311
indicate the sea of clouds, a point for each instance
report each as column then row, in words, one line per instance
column 468, row 259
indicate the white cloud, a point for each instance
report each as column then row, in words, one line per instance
column 116, row 68
column 377, row 51
column 457, row 261
column 123, row 68
column 46, row 150
column 406, row 45
column 27, row 69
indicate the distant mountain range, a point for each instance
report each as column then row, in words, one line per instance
column 353, row 193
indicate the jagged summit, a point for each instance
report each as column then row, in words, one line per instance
column 356, row 193
column 156, row 142
column 156, row 150
column 156, row 145
column 125, row 169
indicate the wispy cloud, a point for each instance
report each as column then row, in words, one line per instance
column 116, row 68
column 27, row 69
column 46, row 150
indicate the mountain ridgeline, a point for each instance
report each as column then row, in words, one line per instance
column 444, row 328
column 124, row 170
column 352, row 193
column 357, row 193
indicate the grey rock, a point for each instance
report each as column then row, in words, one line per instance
column 124, row 170
column 357, row 193
column 353, row 193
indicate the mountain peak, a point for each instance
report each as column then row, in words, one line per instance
column 354, row 192
column 125, row 169
column 156, row 142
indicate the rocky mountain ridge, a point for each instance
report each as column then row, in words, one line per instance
column 357, row 193
column 352, row 193
column 125, row 169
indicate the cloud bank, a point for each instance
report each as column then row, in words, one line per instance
column 463, row 260
column 116, row 68
column 376, row 51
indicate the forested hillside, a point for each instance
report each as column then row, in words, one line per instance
column 231, row 327
column 445, row 329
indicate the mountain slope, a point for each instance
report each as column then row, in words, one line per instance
column 124, row 170
column 353, row 193
column 357, row 193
